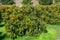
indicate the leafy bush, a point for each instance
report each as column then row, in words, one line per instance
column 29, row 20
column 50, row 35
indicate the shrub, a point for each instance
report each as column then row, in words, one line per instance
column 29, row 20
column 50, row 35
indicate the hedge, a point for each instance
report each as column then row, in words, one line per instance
column 29, row 20
column 50, row 35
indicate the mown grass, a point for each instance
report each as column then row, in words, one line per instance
column 57, row 28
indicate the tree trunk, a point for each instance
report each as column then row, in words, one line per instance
column 53, row 1
column 35, row 2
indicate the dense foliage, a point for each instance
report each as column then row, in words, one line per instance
column 29, row 20
column 50, row 35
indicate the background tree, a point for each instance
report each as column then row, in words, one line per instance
column 26, row 1
column 6, row 2
column 45, row 2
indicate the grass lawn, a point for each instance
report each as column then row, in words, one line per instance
column 57, row 28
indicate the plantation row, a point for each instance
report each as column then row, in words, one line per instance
column 28, row 20
column 42, row 2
